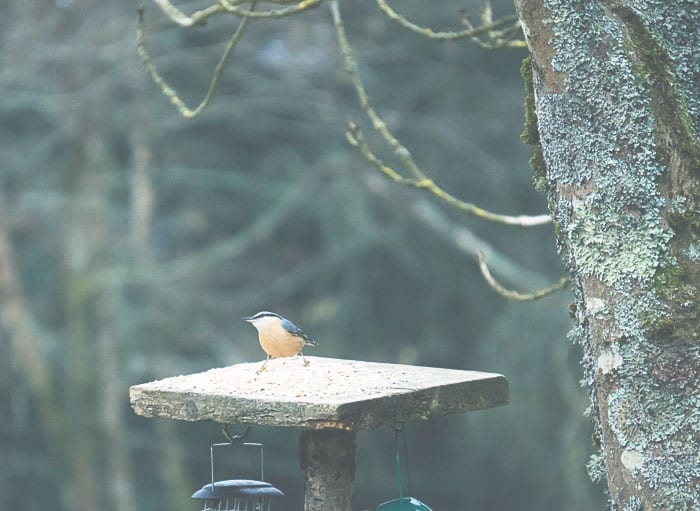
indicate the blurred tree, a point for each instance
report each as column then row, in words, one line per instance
column 131, row 242
column 625, row 208
column 615, row 119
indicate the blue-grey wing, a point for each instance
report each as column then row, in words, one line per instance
column 295, row 330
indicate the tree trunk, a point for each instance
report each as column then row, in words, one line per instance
column 614, row 117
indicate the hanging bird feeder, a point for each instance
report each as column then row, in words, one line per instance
column 237, row 494
column 402, row 503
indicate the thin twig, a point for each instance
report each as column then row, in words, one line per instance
column 514, row 295
column 469, row 32
column 272, row 13
column 504, row 38
column 377, row 123
column 168, row 91
column 182, row 19
column 355, row 137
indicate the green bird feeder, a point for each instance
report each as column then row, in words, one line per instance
column 402, row 503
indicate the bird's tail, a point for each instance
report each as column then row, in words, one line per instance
column 309, row 342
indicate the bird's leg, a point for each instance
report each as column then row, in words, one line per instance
column 262, row 367
column 306, row 362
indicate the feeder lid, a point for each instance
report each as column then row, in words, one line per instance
column 236, row 487
column 404, row 504
column 265, row 491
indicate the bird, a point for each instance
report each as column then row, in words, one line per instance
column 279, row 337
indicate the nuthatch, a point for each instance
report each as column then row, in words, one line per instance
column 279, row 337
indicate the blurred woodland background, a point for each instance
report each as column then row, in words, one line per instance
column 132, row 241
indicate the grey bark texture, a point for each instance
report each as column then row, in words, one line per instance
column 327, row 458
column 614, row 117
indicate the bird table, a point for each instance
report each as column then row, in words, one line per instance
column 329, row 400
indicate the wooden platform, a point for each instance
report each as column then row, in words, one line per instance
column 327, row 394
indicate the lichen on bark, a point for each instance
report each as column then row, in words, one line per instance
column 618, row 130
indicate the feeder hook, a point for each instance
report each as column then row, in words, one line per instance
column 234, row 439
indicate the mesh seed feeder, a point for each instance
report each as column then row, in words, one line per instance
column 237, row 494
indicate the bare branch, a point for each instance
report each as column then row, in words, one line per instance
column 377, row 123
column 488, row 27
column 497, row 39
column 356, row 139
column 182, row 19
column 420, row 180
column 459, row 236
column 514, row 295
column 303, row 5
column 168, row 91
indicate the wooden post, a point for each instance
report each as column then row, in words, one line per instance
column 327, row 458
column 329, row 400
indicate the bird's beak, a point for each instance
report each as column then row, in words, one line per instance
column 249, row 319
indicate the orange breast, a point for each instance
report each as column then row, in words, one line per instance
column 277, row 342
